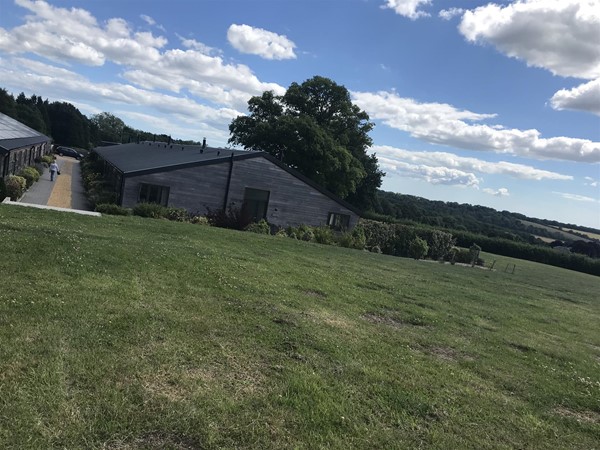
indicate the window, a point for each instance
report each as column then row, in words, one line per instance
column 338, row 221
column 152, row 193
column 256, row 203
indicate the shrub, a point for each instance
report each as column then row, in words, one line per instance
column 261, row 227
column 418, row 248
column 152, row 210
column 439, row 243
column 30, row 174
column 353, row 239
column 177, row 214
column 234, row 218
column 199, row 220
column 282, row 233
column 111, row 208
column 39, row 167
column 47, row 160
column 323, row 235
column 15, row 187
column 305, row 233
column 474, row 252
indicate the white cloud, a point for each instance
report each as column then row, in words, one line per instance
column 199, row 46
column 74, row 36
column 444, row 124
column 263, row 43
column 76, row 88
column 448, row 14
column 408, row 8
column 577, row 197
column 502, row 192
column 559, row 35
column 591, row 182
column 430, row 174
column 453, row 161
column 585, row 97
column 149, row 20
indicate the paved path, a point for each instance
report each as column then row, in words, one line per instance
column 66, row 191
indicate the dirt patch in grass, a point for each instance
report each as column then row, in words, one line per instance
column 579, row 416
column 235, row 376
column 330, row 318
column 314, row 293
column 444, row 353
column 393, row 321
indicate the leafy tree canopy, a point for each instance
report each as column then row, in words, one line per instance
column 316, row 129
column 108, row 127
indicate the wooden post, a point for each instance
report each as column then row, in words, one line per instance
column 493, row 264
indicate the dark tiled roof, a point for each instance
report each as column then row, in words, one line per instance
column 14, row 134
column 155, row 156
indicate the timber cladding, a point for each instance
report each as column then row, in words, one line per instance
column 292, row 201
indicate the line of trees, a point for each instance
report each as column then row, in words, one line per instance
column 67, row 126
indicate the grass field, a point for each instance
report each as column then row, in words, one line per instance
column 126, row 333
column 563, row 234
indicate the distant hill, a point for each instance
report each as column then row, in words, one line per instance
column 478, row 219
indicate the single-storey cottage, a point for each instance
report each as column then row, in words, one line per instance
column 20, row 146
column 199, row 178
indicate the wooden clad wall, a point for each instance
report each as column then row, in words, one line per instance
column 193, row 188
column 291, row 202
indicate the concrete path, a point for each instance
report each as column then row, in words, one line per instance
column 66, row 191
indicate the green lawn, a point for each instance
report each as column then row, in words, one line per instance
column 124, row 333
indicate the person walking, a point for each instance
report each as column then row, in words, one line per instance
column 53, row 170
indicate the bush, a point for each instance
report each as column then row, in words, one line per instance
column 353, row 239
column 30, row 174
column 152, row 210
column 111, row 208
column 15, row 187
column 177, row 214
column 234, row 218
column 440, row 243
column 261, row 227
column 418, row 248
column 323, row 235
column 474, row 251
column 301, row 232
column 199, row 220
column 47, row 160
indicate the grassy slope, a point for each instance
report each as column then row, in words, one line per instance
column 139, row 333
column 564, row 234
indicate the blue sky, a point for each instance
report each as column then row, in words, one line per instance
column 496, row 104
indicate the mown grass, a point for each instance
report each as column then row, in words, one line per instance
column 123, row 333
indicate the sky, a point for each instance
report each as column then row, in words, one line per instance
column 494, row 104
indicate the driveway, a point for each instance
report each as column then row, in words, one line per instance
column 66, row 191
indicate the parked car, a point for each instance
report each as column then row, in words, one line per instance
column 66, row 151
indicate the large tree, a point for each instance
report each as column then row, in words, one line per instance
column 107, row 127
column 316, row 129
